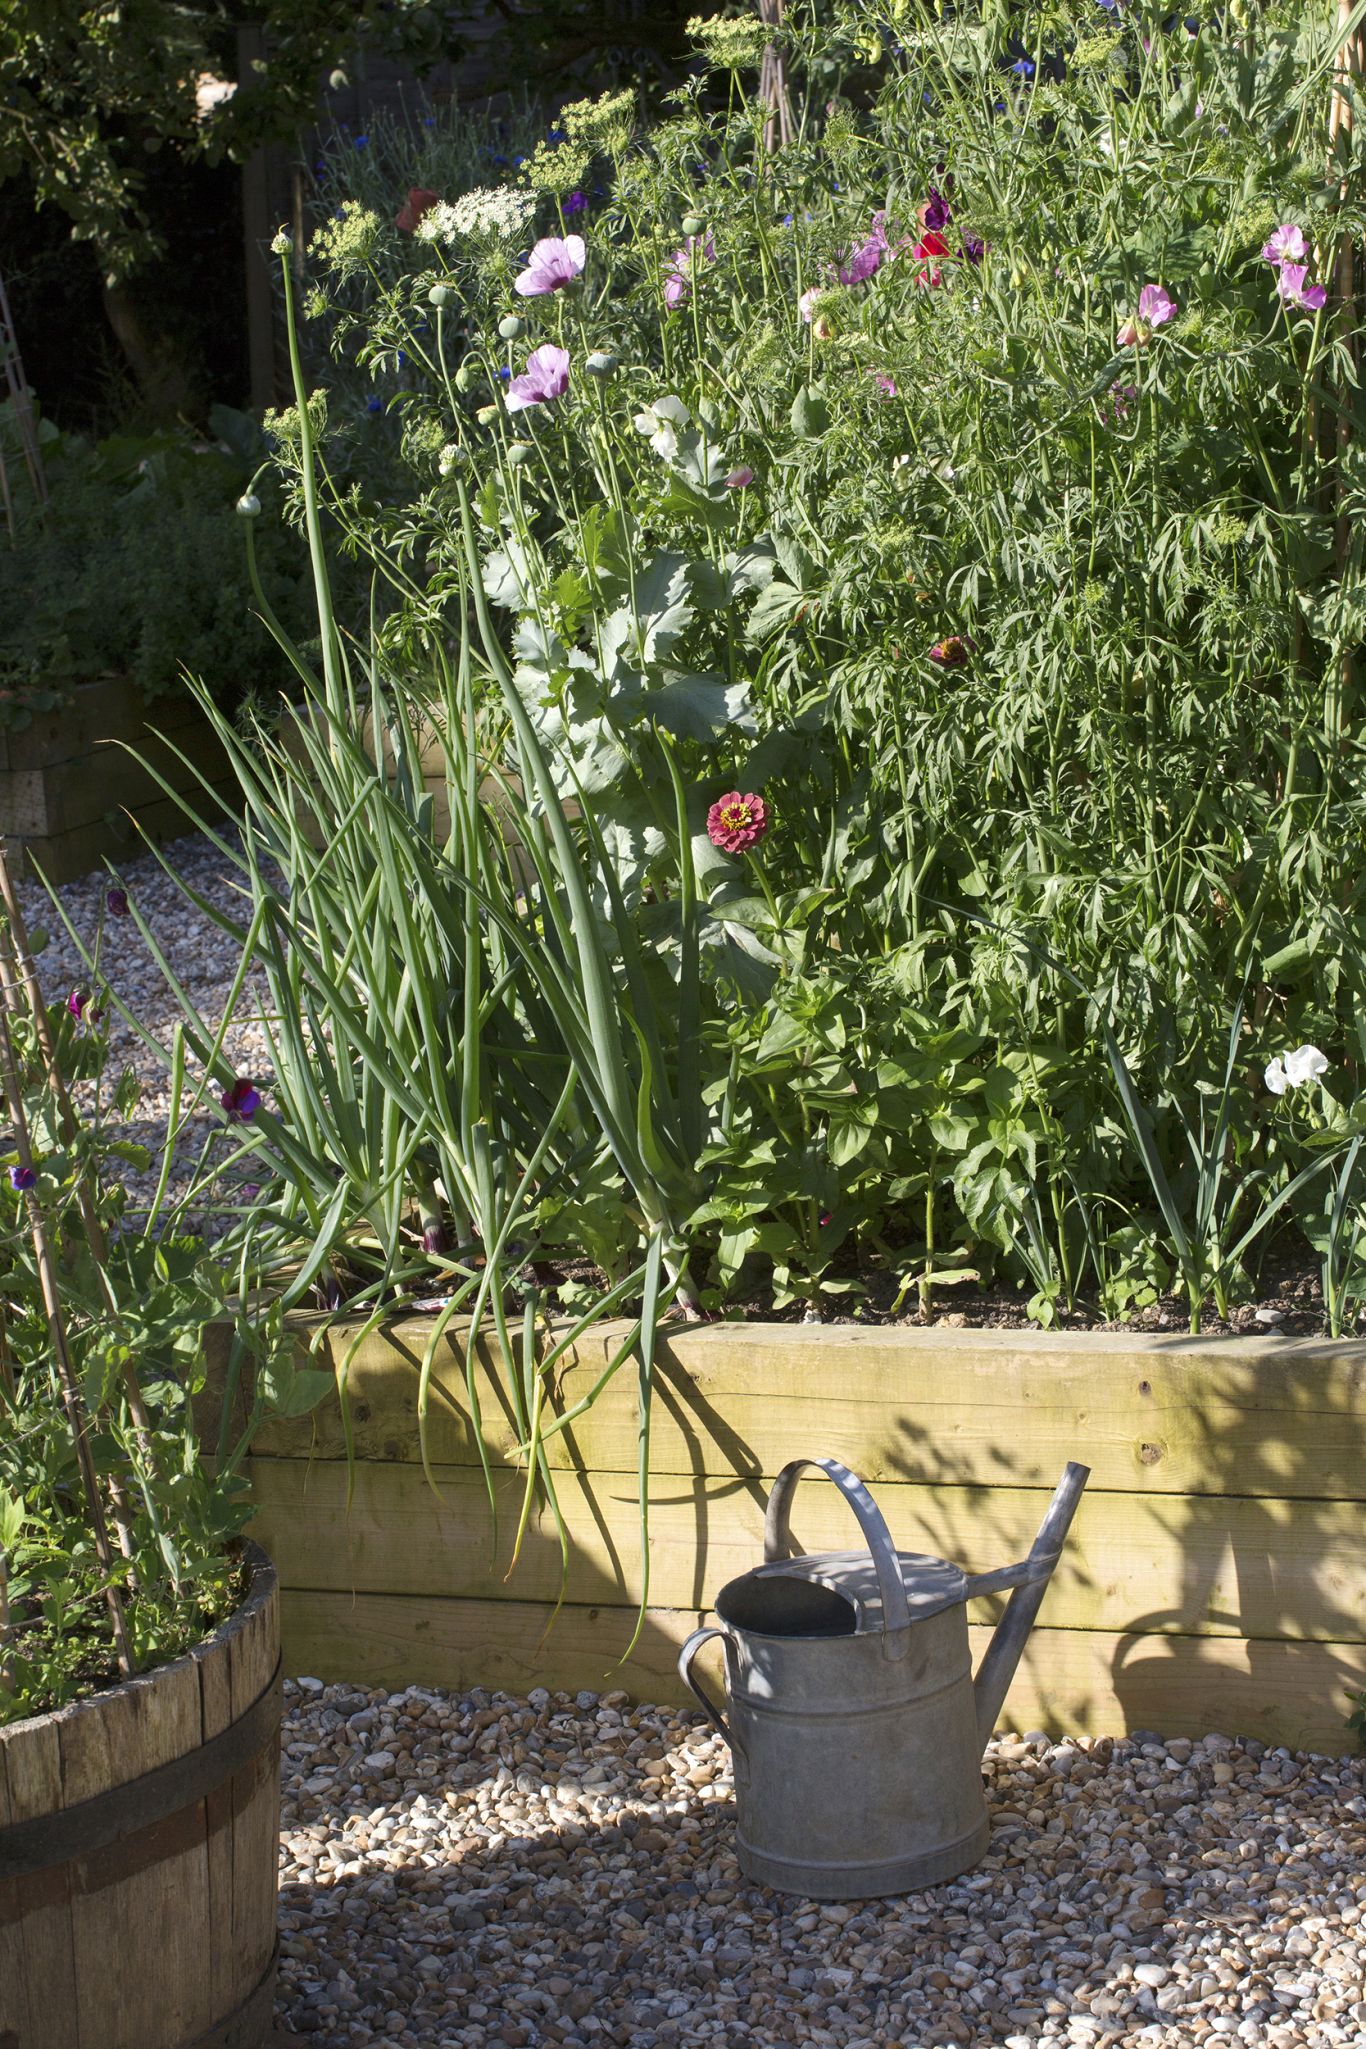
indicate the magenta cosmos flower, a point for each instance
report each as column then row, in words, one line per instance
column 1292, row 288
column 736, row 822
column 241, row 1101
column 683, row 263
column 555, row 261
column 546, row 377
column 1287, row 245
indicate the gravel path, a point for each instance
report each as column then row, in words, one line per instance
column 482, row 1870
column 202, row 957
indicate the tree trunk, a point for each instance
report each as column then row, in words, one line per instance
column 162, row 381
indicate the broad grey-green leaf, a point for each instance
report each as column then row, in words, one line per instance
column 699, row 707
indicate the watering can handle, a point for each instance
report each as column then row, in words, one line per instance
column 896, row 1614
column 685, row 1658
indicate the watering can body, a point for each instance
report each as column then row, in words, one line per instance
column 856, row 1725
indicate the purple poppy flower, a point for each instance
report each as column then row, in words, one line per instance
column 740, row 479
column 678, row 283
column 76, row 1003
column 546, row 377
column 1287, row 245
column 241, row 1101
column 116, row 902
column 555, row 261
column 21, row 1178
column 1295, row 292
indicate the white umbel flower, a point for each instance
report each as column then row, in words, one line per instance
column 495, row 213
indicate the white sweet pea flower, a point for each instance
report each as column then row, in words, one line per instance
column 1306, row 1063
column 1293, row 1070
column 661, row 423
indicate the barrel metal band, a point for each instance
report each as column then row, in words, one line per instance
column 246, row 2027
column 51, row 1839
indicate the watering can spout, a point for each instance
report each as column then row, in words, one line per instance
column 1029, row 1581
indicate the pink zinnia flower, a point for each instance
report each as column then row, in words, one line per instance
column 678, row 283
column 555, row 261
column 1295, row 292
column 736, row 822
column 1287, row 245
column 418, row 203
column 241, row 1101
column 546, row 377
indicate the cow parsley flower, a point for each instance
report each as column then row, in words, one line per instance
column 487, row 213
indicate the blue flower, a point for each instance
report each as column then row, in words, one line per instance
column 555, row 137
column 402, row 359
column 1023, row 67
column 428, row 121
column 374, row 404
column 361, row 142
column 21, row 1178
column 505, row 373
column 575, row 203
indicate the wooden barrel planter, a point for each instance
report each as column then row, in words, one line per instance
column 138, row 1852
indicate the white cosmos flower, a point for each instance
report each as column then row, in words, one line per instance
column 1293, row 1070
column 661, row 422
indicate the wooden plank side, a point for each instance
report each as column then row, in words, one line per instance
column 1070, row 1681
column 1213, row 1565
column 250, row 1934
column 139, row 1922
column 14, row 2005
column 213, row 1661
column 1250, row 1417
column 33, row 1779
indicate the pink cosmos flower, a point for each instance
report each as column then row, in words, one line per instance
column 736, row 822
column 555, row 261
column 1295, row 292
column 678, row 283
column 1287, row 245
column 546, row 377
column 418, row 203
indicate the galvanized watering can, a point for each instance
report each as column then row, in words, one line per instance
column 856, row 1725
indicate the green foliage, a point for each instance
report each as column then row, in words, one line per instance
column 135, row 568
column 1033, row 615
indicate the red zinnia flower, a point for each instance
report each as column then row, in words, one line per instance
column 736, row 822
column 418, row 202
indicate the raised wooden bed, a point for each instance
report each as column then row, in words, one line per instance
column 138, row 1851
column 1215, row 1578
column 67, row 784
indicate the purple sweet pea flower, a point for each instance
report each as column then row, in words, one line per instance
column 885, row 384
column 858, row 265
column 1287, row 245
column 555, row 261
column 116, row 902
column 241, row 1101
column 1295, row 292
column 76, row 1003
column 546, row 377
column 936, row 211
column 972, row 249
column 678, row 283
column 21, row 1178
column 740, row 479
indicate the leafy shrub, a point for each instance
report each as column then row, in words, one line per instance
column 965, row 481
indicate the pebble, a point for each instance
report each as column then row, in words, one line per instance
column 559, row 1872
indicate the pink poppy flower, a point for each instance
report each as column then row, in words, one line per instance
column 736, row 822
column 1287, row 245
column 1295, row 292
column 418, row 203
column 678, row 283
column 546, row 377
column 555, row 261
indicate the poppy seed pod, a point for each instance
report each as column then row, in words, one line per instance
column 440, row 295
column 468, row 377
column 601, row 363
column 693, row 224
column 486, row 415
column 520, row 453
column 511, row 327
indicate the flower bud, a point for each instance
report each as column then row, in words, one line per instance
column 468, row 377
column 601, row 363
column 280, row 243
column 440, row 295
column 511, row 327
column 486, row 415
column 248, row 506
column 520, row 452
column 693, row 224
column 451, row 458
